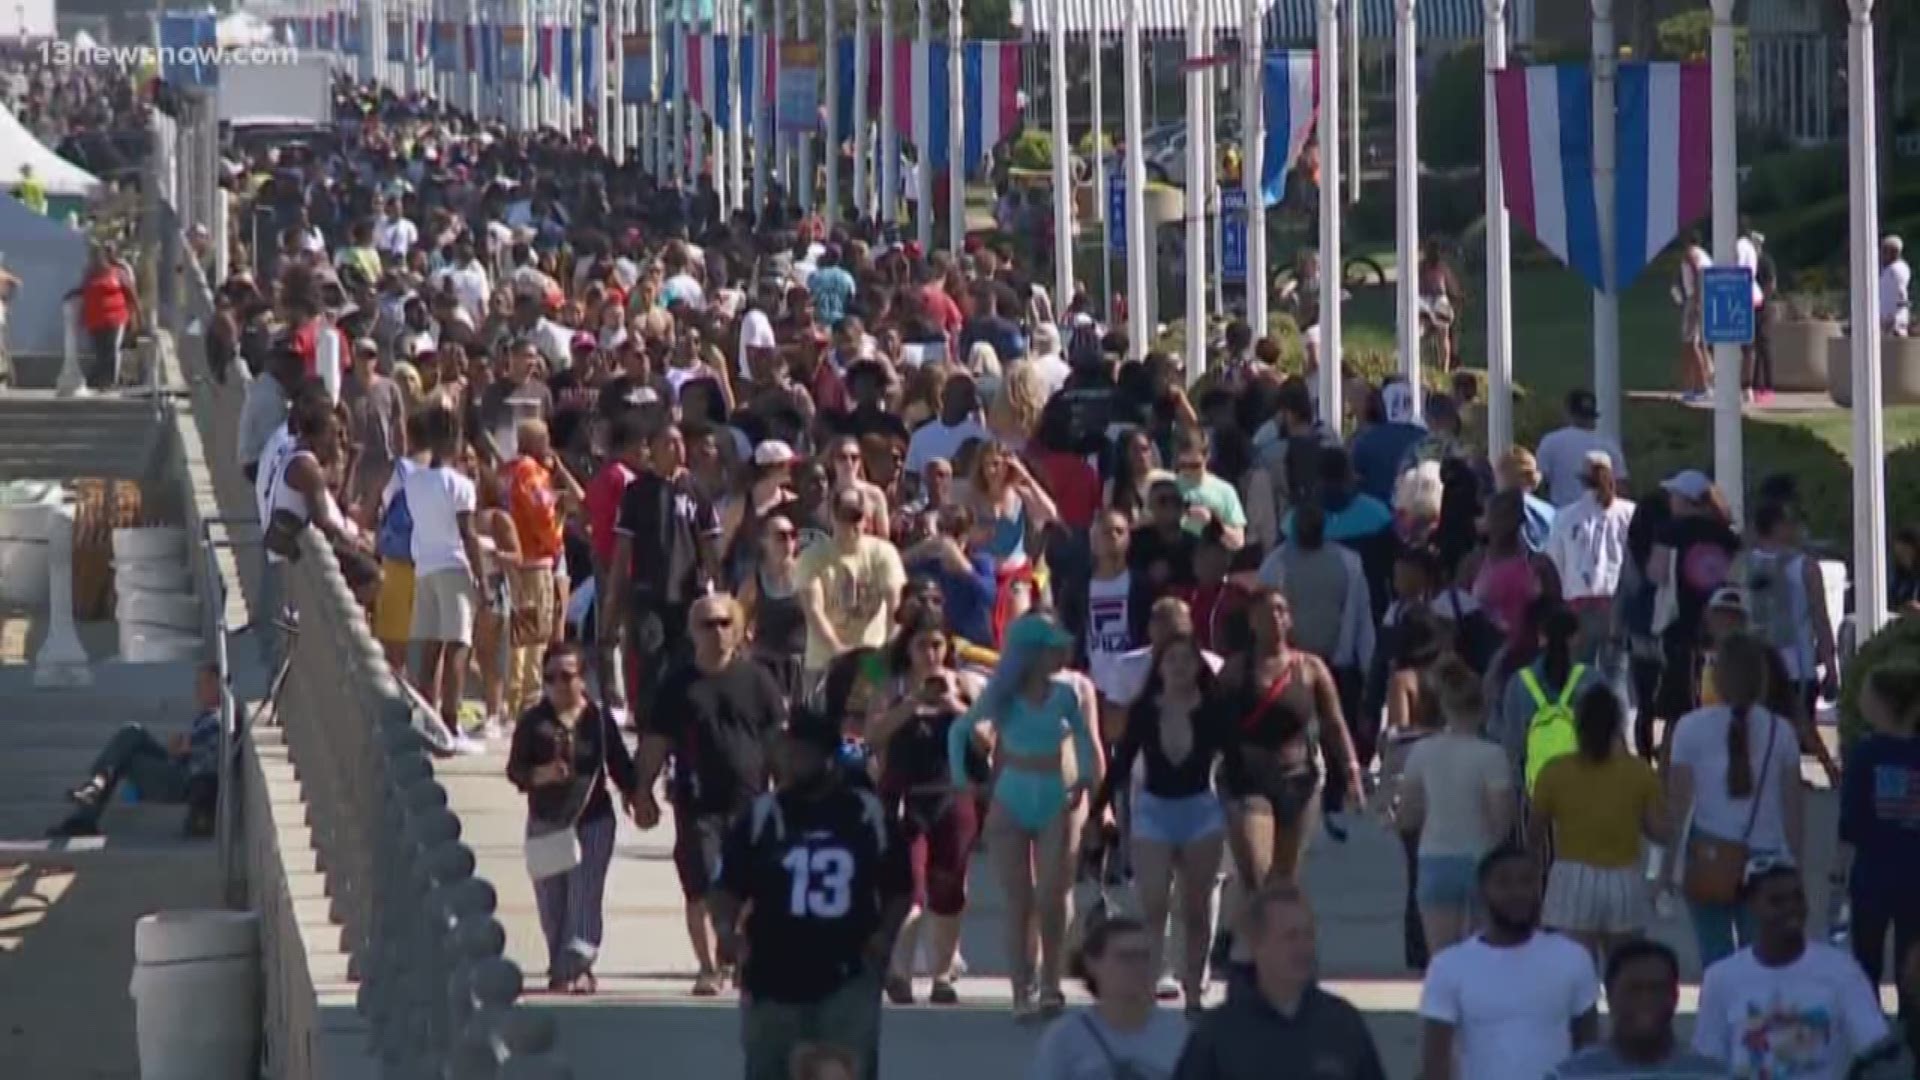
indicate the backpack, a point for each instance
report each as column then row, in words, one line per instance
column 1551, row 733
column 1767, row 578
column 395, row 540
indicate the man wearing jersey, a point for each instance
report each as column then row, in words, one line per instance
column 822, row 875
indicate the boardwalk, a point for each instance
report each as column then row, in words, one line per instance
column 643, row 1022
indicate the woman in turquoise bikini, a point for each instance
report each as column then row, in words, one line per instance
column 1037, row 801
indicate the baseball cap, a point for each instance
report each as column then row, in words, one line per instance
column 1582, row 405
column 1595, row 460
column 773, row 452
column 1729, row 598
column 585, row 342
column 1689, row 484
column 366, row 346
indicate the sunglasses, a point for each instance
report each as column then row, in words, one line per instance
column 715, row 624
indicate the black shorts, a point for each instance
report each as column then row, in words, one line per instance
column 1287, row 792
column 656, row 637
column 697, row 840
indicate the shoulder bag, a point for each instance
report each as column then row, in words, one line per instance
column 1716, row 868
column 555, row 851
column 1118, row 1068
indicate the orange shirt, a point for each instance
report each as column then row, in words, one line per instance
column 534, row 507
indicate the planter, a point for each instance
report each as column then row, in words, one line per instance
column 1799, row 350
column 1899, row 371
column 1164, row 205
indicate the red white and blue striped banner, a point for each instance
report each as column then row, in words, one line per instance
column 1292, row 108
column 1663, row 168
column 1662, row 119
column 708, row 61
column 1546, row 161
column 989, row 78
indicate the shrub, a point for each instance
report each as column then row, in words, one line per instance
column 1900, row 639
column 1032, row 150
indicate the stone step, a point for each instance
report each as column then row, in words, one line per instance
column 85, row 734
column 30, row 820
column 88, row 852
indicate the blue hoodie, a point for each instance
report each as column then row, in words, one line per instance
column 1378, row 453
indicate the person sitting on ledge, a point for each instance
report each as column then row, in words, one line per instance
column 183, row 770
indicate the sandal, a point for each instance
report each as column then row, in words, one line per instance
column 1052, row 1004
column 1024, row 1009
column 899, row 989
column 943, row 993
column 707, row 984
column 583, row 984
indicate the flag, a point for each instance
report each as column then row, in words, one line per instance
column 1664, row 159
column 446, row 45
column 1292, row 107
column 543, row 54
column 1546, row 161
column 422, row 41
column 990, row 77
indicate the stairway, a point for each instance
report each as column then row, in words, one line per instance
column 48, row 438
column 51, row 739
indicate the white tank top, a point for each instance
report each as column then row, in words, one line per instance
column 282, row 496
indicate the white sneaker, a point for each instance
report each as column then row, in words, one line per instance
column 493, row 730
column 465, row 745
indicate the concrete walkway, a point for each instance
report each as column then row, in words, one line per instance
column 644, row 1018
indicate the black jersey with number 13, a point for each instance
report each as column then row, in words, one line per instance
column 818, row 874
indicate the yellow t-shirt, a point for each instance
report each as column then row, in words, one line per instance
column 1596, row 809
column 32, row 194
column 858, row 594
column 1709, row 691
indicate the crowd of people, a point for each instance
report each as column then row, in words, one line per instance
column 848, row 562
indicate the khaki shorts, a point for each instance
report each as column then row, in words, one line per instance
column 443, row 607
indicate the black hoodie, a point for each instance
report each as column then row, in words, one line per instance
column 1248, row 1039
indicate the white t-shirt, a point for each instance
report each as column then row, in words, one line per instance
column 1460, row 775
column 273, row 461
column 1894, row 279
column 472, row 288
column 756, row 332
column 1512, row 1010
column 1562, row 456
column 1080, row 1046
column 1053, row 371
column 934, row 439
column 1807, row 1020
column 1700, row 744
column 395, row 236
column 1746, row 253
column 435, row 498
column 1108, row 618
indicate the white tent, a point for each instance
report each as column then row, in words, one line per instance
column 243, row 28
column 48, row 258
column 59, row 176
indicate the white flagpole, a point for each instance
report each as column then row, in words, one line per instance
column 1499, row 249
column 1199, row 148
column 1139, row 309
column 889, row 112
column 1062, row 159
column 1606, row 304
column 831, row 147
column 1869, row 436
column 610, row 41
column 1406, row 182
column 862, row 135
column 1330, row 275
column 765, row 153
column 1253, row 135
column 957, row 133
column 922, row 105
column 1729, row 458
column 1096, row 64
column 780, row 140
column 805, row 139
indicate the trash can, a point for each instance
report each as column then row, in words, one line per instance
column 196, row 995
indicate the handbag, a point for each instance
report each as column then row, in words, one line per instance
column 283, row 534
column 553, row 852
column 1715, row 867
column 1118, row 1068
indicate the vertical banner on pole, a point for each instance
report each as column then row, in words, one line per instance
column 1233, row 233
column 636, row 66
column 1117, row 210
column 513, row 53
column 797, row 100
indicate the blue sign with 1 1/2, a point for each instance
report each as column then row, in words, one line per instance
column 1233, row 234
column 1117, row 211
column 1726, row 305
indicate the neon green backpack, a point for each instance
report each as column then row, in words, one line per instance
column 1551, row 734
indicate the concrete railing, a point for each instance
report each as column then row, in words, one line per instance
column 417, row 924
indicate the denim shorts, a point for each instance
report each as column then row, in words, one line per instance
column 1176, row 822
column 1447, row 881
